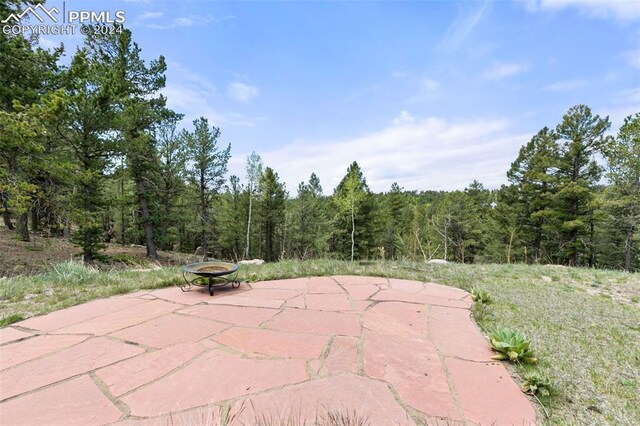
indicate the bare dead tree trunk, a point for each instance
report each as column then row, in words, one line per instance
column 6, row 214
column 23, row 227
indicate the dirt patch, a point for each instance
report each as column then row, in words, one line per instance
column 20, row 258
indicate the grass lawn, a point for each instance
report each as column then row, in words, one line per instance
column 584, row 324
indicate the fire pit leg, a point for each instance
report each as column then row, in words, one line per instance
column 210, row 286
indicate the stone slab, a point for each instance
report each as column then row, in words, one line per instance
column 250, row 317
column 455, row 334
column 342, row 357
column 135, row 372
column 361, row 292
column 397, row 319
column 74, row 402
column 273, row 343
column 193, row 386
column 79, row 313
column 169, row 330
column 291, row 284
column 324, row 285
column 414, row 369
column 87, row 356
column 370, row 400
column 358, row 280
column 297, row 302
column 269, row 293
column 444, row 291
column 247, row 301
column 123, row 318
column 317, row 322
column 10, row 334
column 328, row 302
column 406, row 285
column 27, row 350
column 488, row 395
column 419, row 298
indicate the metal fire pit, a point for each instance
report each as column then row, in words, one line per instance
column 210, row 274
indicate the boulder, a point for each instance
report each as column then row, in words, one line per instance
column 251, row 262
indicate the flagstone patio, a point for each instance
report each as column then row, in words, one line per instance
column 392, row 351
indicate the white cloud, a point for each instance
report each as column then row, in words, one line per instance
column 47, row 44
column 241, row 92
column 429, row 85
column 500, row 70
column 191, row 94
column 565, row 85
column 463, row 25
column 428, row 153
column 189, row 21
column 404, row 118
column 622, row 10
column 151, row 15
column 623, row 104
column 633, row 57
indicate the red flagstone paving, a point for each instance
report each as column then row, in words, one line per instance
column 10, row 334
column 21, row 352
column 392, row 351
column 343, row 357
column 74, row 402
column 132, row 373
column 169, row 330
column 273, row 343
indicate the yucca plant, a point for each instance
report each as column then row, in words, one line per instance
column 480, row 296
column 511, row 345
column 536, row 384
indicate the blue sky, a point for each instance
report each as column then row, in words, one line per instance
column 431, row 94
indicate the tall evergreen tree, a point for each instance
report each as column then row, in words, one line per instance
column 582, row 136
column 135, row 91
column 85, row 127
column 272, row 211
column 532, row 176
column 623, row 157
column 209, row 165
column 27, row 72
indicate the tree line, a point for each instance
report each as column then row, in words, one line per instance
column 89, row 151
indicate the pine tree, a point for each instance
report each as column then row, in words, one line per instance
column 134, row 86
column 272, row 211
column 209, row 165
column 623, row 157
column 534, row 183
column 582, row 137
column 84, row 127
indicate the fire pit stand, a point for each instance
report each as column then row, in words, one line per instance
column 210, row 274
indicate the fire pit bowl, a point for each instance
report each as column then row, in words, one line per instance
column 210, row 274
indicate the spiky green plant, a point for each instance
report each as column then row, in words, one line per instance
column 480, row 296
column 536, row 384
column 512, row 345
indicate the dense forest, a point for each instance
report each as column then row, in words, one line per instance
column 89, row 151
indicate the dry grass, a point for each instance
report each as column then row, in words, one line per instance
column 584, row 324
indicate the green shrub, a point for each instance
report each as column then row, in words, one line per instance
column 479, row 295
column 511, row 345
column 536, row 384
